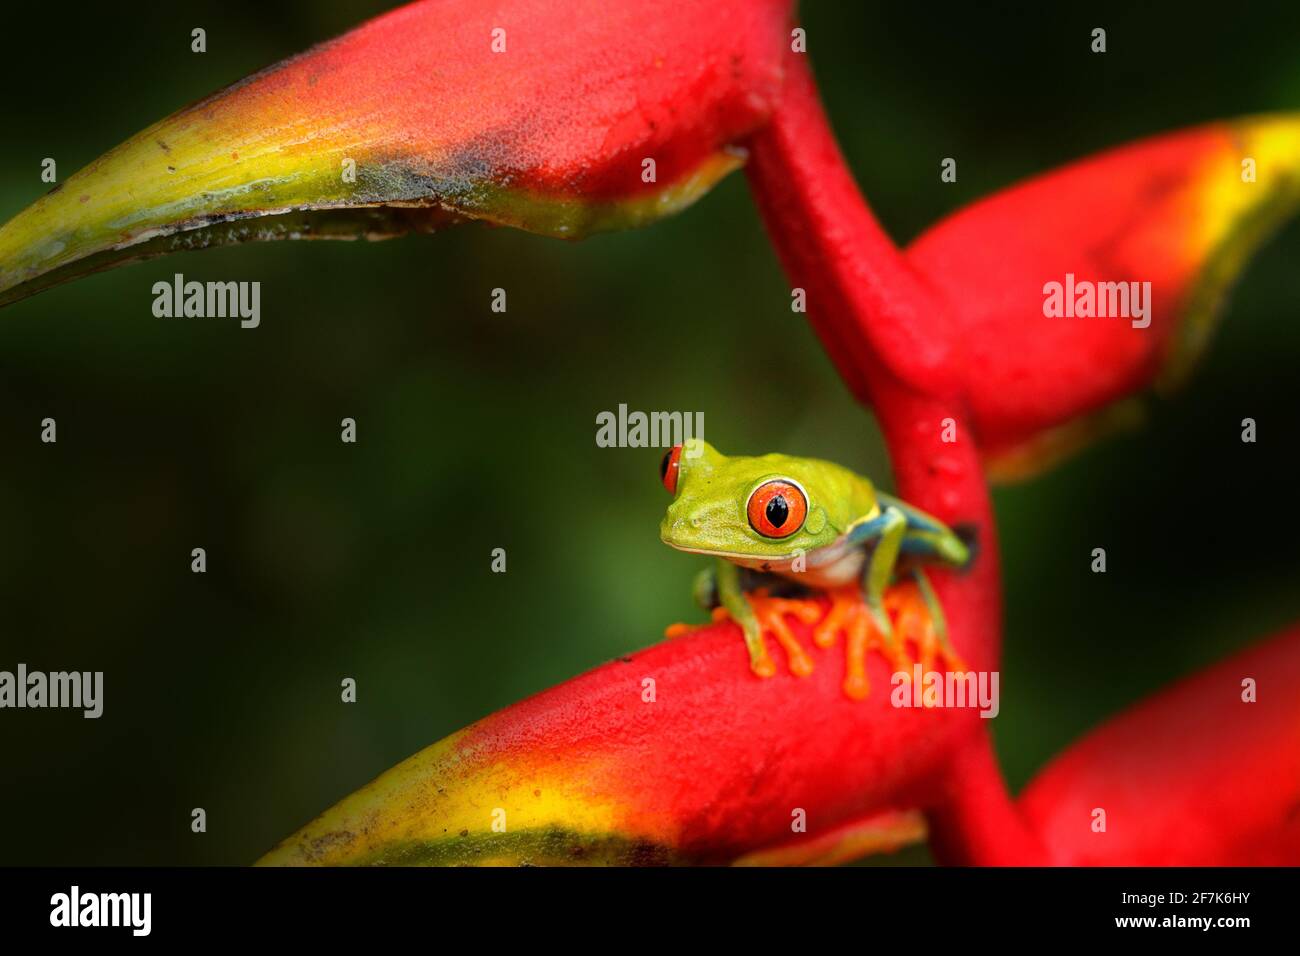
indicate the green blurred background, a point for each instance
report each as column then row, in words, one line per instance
column 477, row 430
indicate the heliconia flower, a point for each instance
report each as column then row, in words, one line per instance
column 560, row 118
column 1182, row 212
column 1206, row 773
column 676, row 754
column 565, row 118
column 911, row 336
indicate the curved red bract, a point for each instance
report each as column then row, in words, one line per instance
column 1194, row 776
column 543, row 115
column 947, row 339
column 560, row 118
column 718, row 762
column 677, row 753
column 569, row 102
column 1173, row 211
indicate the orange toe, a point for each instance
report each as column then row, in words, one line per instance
column 850, row 615
column 771, row 613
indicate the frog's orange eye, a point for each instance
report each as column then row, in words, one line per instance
column 777, row 508
column 670, row 467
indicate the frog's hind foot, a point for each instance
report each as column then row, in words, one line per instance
column 913, row 625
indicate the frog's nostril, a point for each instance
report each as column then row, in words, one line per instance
column 695, row 521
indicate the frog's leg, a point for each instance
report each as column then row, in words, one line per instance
column 892, row 526
column 731, row 597
column 719, row 588
column 867, row 627
column 927, row 537
column 757, row 612
column 705, row 589
column 938, row 623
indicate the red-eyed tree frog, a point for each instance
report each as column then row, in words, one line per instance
column 777, row 518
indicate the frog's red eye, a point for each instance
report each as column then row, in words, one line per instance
column 777, row 508
column 670, row 467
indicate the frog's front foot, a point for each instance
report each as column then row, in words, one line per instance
column 767, row 615
column 849, row 612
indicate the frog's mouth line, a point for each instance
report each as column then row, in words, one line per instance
column 748, row 560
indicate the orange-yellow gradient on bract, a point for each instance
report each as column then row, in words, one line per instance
column 677, row 754
column 562, row 119
column 1183, row 212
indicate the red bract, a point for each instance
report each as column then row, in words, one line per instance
column 916, row 339
column 717, row 765
column 530, row 113
column 708, row 766
column 1181, row 212
column 1206, row 773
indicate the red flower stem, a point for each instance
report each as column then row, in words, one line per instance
column 874, row 313
column 975, row 822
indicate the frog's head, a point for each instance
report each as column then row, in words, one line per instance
column 773, row 506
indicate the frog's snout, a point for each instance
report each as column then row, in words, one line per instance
column 679, row 524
